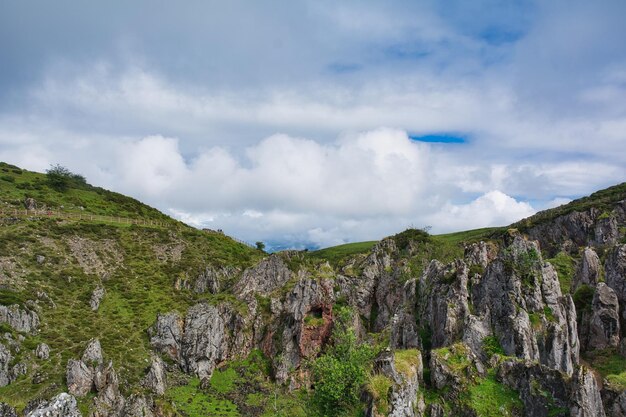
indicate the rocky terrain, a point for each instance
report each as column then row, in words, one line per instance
column 102, row 319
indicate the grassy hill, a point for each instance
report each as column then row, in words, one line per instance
column 57, row 264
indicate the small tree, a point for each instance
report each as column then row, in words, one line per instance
column 260, row 245
column 60, row 178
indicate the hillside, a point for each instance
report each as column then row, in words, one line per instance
column 105, row 318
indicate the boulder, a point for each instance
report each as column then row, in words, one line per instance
column 93, row 353
column 79, row 378
column 166, row 335
column 63, row 405
column 42, row 351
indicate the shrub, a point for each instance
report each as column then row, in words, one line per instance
column 60, row 178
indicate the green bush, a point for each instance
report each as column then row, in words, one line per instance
column 340, row 374
column 583, row 298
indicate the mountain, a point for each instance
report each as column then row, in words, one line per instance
column 110, row 308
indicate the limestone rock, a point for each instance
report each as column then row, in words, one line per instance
column 204, row 343
column 156, row 376
column 96, row 297
column 79, row 378
column 403, row 396
column 615, row 270
column 42, row 351
column 63, row 405
column 7, row 411
column 480, row 253
column 604, row 326
column 585, row 399
column 588, row 272
column 269, row 274
column 166, row 335
column 137, row 406
column 22, row 320
column 5, row 359
column 93, row 353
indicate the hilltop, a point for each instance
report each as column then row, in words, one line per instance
column 105, row 318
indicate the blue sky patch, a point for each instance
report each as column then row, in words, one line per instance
column 440, row 138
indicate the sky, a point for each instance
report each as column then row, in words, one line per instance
column 316, row 123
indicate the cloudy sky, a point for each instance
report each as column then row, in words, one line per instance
column 313, row 123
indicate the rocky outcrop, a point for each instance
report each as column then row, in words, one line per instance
column 615, row 271
column 454, row 367
column 93, row 353
column 520, row 296
column 265, row 277
column 614, row 402
column 166, row 335
column 42, row 351
column 137, row 406
column 576, row 229
column 546, row 392
column 79, row 378
column 155, row 379
column 444, row 301
column 208, row 335
column 96, row 297
column 22, row 320
column 604, row 325
column 480, row 253
column 63, row 405
column 588, row 272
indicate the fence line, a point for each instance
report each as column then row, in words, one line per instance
column 21, row 213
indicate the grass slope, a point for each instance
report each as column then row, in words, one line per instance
column 138, row 267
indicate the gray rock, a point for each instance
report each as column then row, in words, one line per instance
column 210, row 279
column 79, row 378
column 204, row 341
column 166, row 335
column 5, row 359
column 7, row 411
column 93, row 353
column 615, row 271
column 480, row 253
column 30, row 203
column 137, row 406
column 614, row 402
column 588, row 271
column 22, row 320
column 42, row 351
column 63, row 405
column 156, row 379
column 403, row 396
column 40, row 259
column 96, row 297
column 604, row 326
column 269, row 274
column 584, row 397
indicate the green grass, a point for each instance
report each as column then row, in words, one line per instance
column 491, row 346
column 470, row 236
column 192, row 401
column 490, row 398
column 336, row 254
column 378, row 386
column 565, row 268
column 407, row 361
column 224, row 381
column 611, row 366
column 603, row 200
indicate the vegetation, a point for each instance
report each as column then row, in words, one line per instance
column 340, row 374
column 583, row 298
column 565, row 268
column 491, row 346
column 490, row 398
column 611, row 365
column 336, row 254
column 61, row 178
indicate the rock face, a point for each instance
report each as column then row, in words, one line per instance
column 521, row 298
column 604, row 326
column 546, row 392
column 166, row 335
column 96, row 297
column 79, row 378
column 403, row 396
column 265, row 277
column 588, row 272
column 22, row 320
column 155, row 379
column 63, row 405
column 615, row 270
